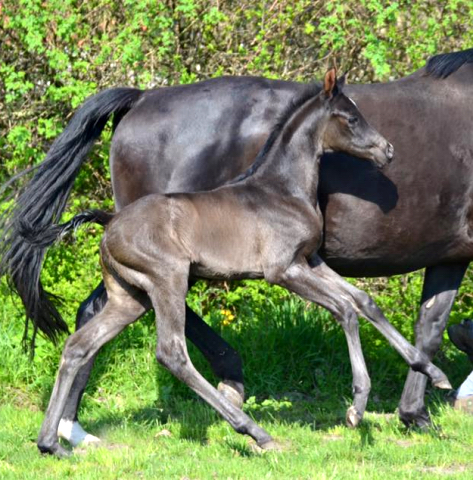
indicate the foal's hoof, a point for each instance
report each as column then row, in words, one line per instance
column 353, row 417
column 72, row 432
column 443, row 384
column 56, row 450
column 440, row 380
column 91, row 440
column 231, row 391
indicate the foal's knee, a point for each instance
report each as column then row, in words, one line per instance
column 366, row 304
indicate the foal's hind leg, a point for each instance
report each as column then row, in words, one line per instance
column 224, row 361
column 441, row 285
column 123, row 307
column 168, row 299
column 69, row 427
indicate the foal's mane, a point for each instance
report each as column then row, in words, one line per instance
column 443, row 65
column 310, row 91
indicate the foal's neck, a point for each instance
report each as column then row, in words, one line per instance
column 291, row 165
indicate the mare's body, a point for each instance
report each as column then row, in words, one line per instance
column 265, row 225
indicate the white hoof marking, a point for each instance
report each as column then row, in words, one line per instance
column 75, row 434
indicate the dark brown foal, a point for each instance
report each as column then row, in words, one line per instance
column 266, row 224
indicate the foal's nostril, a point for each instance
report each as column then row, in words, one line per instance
column 390, row 152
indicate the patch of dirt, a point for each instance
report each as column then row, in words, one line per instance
column 405, row 443
column 333, row 437
column 108, row 446
column 452, row 469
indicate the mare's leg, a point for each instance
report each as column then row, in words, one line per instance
column 168, row 299
column 224, row 360
column 123, row 307
column 441, row 285
column 322, row 285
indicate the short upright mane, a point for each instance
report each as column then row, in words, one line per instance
column 311, row 91
column 443, row 65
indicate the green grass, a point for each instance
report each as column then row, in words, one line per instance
column 199, row 445
column 298, row 382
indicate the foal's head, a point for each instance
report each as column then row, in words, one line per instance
column 346, row 129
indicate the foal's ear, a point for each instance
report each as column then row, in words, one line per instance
column 330, row 82
column 341, row 81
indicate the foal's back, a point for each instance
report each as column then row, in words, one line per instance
column 230, row 232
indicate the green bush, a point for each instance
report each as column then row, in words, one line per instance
column 56, row 53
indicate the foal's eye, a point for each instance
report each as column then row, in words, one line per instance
column 353, row 120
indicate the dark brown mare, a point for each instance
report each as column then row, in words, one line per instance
column 266, row 224
column 415, row 213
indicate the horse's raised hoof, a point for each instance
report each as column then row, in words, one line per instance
column 353, row 417
column 443, row 384
column 231, row 391
column 91, row 441
column 439, row 379
column 56, row 450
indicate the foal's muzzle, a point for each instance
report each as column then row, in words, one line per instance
column 383, row 155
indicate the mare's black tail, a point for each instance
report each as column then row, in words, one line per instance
column 41, row 203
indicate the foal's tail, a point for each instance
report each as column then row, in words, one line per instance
column 39, row 239
column 41, row 202
column 44, row 238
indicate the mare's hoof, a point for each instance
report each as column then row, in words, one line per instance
column 56, row 450
column 353, row 417
column 416, row 420
column 72, row 432
column 231, row 392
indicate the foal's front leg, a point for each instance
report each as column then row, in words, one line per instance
column 301, row 280
column 322, row 285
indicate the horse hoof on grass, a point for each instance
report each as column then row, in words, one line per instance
column 416, row 420
column 72, row 432
column 230, row 392
column 56, row 450
column 353, row 417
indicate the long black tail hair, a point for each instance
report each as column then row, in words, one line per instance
column 41, row 203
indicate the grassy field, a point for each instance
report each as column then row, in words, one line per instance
column 298, row 382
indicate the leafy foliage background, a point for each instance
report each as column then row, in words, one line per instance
column 56, row 53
